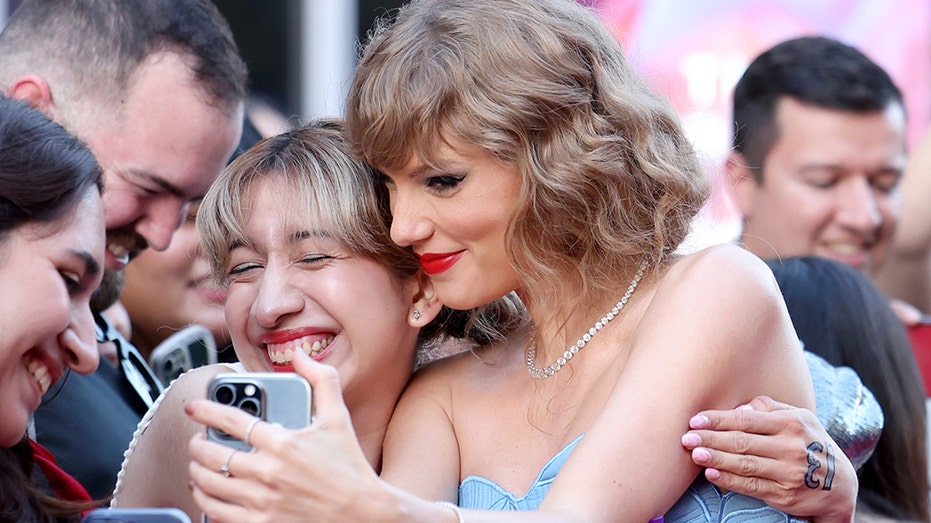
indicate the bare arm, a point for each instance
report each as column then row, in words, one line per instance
column 730, row 340
column 718, row 331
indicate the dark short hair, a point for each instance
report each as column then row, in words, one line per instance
column 96, row 45
column 813, row 70
column 44, row 169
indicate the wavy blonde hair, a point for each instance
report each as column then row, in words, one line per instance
column 608, row 177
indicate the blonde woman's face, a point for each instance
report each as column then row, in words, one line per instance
column 293, row 287
column 456, row 219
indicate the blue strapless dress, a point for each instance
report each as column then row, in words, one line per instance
column 845, row 407
column 702, row 502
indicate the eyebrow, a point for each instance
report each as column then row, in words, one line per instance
column 294, row 237
column 303, row 235
column 423, row 168
column 91, row 267
column 164, row 184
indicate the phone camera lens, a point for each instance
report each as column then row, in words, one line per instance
column 225, row 394
column 250, row 405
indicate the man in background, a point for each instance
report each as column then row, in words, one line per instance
column 819, row 149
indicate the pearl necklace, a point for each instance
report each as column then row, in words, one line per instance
column 572, row 350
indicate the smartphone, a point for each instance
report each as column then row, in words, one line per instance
column 190, row 347
column 920, row 337
column 136, row 515
column 275, row 397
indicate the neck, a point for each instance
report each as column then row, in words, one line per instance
column 562, row 334
column 371, row 410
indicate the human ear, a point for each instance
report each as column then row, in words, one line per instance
column 742, row 184
column 425, row 304
column 35, row 90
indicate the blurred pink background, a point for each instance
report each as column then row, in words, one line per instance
column 695, row 51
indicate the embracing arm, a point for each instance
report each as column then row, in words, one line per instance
column 154, row 472
column 777, row 453
column 719, row 332
column 763, row 448
column 730, row 339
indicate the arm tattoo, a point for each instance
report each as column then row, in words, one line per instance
column 814, row 463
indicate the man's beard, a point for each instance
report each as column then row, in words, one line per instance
column 109, row 291
column 112, row 285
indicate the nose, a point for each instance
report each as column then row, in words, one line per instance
column 275, row 299
column 858, row 208
column 408, row 220
column 78, row 342
column 163, row 216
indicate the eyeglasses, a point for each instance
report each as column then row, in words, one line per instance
column 133, row 366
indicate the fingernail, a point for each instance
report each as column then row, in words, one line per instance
column 701, row 456
column 691, row 440
column 712, row 474
column 699, row 421
column 745, row 407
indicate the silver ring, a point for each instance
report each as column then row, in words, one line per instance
column 225, row 469
column 251, row 426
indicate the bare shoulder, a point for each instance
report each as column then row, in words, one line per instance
column 725, row 299
column 158, row 447
column 725, row 264
column 724, row 306
column 718, row 277
column 477, row 368
column 192, row 385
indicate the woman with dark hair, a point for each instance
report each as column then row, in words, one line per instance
column 51, row 254
column 839, row 315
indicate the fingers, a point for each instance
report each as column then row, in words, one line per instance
column 767, row 404
column 906, row 312
column 210, row 464
column 776, row 494
column 779, row 469
column 736, row 442
column 761, row 416
column 215, row 508
column 229, row 419
column 798, row 486
column 327, row 393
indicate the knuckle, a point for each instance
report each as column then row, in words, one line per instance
column 749, row 466
column 744, row 419
column 753, row 486
column 742, row 443
column 764, row 403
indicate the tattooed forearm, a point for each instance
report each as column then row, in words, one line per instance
column 814, row 464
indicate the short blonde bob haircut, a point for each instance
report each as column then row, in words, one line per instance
column 311, row 167
column 608, row 177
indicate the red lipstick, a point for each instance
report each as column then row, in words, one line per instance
column 435, row 263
